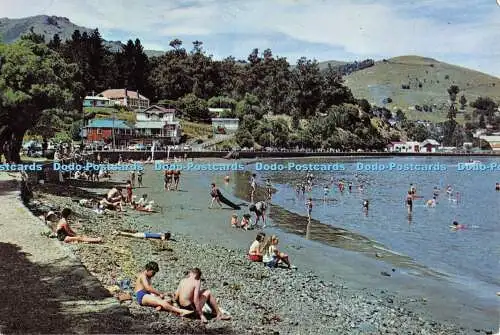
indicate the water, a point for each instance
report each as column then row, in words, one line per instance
column 469, row 257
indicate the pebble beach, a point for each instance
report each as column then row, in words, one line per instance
column 260, row 300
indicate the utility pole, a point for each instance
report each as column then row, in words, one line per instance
column 83, row 120
column 113, row 131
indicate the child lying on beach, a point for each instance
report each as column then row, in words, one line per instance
column 146, row 295
column 159, row 236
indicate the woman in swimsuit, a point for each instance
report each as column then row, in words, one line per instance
column 67, row 235
column 409, row 202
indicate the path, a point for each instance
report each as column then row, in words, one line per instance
column 43, row 286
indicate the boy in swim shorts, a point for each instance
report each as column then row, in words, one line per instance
column 146, row 295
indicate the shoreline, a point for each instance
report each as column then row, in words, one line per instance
column 219, row 251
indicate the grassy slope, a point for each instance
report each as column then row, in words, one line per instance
column 385, row 80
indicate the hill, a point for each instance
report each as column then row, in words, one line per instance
column 426, row 82
column 12, row 29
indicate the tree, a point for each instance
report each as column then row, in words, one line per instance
column 364, row 105
column 463, row 102
column 307, row 82
column 34, row 78
column 400, row 115
column 452, row 92
column 55, row 43
column 482, row 123
column 194, row 108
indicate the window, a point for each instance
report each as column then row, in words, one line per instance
column 99, row 131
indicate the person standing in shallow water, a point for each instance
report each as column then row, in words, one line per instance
column 309, row 207
column 409, row 202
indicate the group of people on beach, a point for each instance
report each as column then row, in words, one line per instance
column 265, row 249
column 171, row 180
column 189, row 298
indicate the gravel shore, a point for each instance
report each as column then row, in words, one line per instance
column 260, row 300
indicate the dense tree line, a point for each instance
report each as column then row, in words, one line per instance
column 279, row 104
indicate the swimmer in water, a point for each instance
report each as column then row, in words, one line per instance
column 326, row 190
column 226, row 179
column 409, row 202
column 413, row 190
column 435, row 192
column 497, row 187
column 350, row 186
column 431, row 202
column 366, row 204
column 449, row 190
column 360, row 188
column 456, row 226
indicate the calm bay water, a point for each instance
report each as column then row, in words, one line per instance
column 470, row 257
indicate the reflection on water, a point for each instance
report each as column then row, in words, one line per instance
column 469, row 256
column 325, row 233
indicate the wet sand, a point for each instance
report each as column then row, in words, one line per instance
column 187, row 212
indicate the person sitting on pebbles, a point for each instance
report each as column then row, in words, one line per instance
column 189, row 295
column 113, row 199
column 246, row 222
column 271, row 255
column 146, row 295
column 66, row 234
column 234, row 221
column 255, row 254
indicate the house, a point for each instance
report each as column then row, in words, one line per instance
column 126, row 98
column 429, row 145
column 97, row 101
column 101, row 130
column 218, row 111
column 412, row 146
column 225, row 125
column 403, row 147
column 157, row 124
column 494, row 141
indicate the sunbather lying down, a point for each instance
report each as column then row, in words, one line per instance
column 158, row 236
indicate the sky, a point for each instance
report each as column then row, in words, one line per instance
column 460, row 32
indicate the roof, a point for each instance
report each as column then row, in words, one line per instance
column 224, row 119
column 157, row 109
column 107, row 123
column 430, row 141
column 119, row 93
column 490, row 138
column 210, row 109
column 90, row 97
column 153, row 124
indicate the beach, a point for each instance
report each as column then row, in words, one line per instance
column 331, row 292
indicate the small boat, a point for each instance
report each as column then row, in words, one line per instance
column 472, row 162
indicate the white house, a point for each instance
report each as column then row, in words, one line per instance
column 157, row 123
column 403, row 147
column 494, row 141
column 97, row 101
column 429, row 145
column 124, row 97
column 225, row 125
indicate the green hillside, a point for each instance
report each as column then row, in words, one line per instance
column 49, row 25
column 385, row 79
